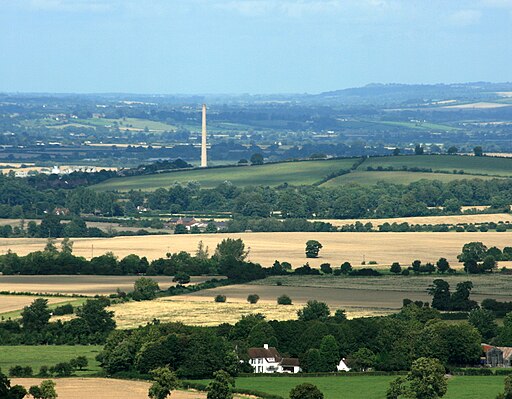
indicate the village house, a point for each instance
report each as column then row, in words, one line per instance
column 268, row 360
column 497, row 356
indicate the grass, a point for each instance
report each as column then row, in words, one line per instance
column 294, row 173
column 470, row 165
column 128, row 123
column 370, row 387
column 48, row 355
column 369, row 178
column 311, row 172
column 265, row 248
column 419, row 126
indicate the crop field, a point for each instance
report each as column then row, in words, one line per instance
column 366, row 178
column 370, row 387
column 11, row 303
column 265, row 248
column 469, row 164
column 450, row 219
column 128, row 124
column 196, row 311
column 295, row 173
column 103, row 388
column 79, row 285
column 48, row 355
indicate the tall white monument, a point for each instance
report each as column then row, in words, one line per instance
column 204, row 160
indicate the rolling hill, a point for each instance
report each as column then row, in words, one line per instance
column 405, row 169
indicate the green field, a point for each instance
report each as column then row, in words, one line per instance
column 310, row 172
column 366, row 178
column 128, row 123
column 471, row 165
column 369, row 387
column 419, row 126
column 295, row 173
column 48, row 355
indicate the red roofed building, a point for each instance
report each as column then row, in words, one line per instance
column 268, row 360
column 497, row 356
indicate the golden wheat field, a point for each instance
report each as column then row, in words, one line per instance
column 196, row 311
column 451, row 219
column 11, row 303
column 80, row 285
column 103, row 388
column 384, row 248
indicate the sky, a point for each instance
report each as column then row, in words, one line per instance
column 249, row 46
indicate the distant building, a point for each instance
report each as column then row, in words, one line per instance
column 342, row 366
column 497, row 356
column 268, row 360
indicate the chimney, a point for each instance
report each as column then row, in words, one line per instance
column 265, row 346
column 204, row 160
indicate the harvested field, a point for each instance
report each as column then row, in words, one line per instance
column 384, row 248
column 196, row 311
column 11, row 303
column 80, row 285
column 478, row 105
column 103, row 388
column 451, row 219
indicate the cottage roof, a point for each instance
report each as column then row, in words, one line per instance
column 290, row 362
column 262, row 353
column 507, row 351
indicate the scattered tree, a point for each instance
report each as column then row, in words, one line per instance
column 165, row 381
column 313, row 248
column 145, row 289
column 306, row 391
column 253, row 298
column 220, row 386
column 314, row 310
column 284, row 300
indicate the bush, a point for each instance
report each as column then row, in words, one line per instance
column 63, row 310
column 253, row 298
column 284, row 300
column 220, row 298
column 44, row 371
column 306, row 391
column 365, row 272
column 20, row 371
column 62, row 369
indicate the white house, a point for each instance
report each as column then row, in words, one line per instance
column 342, row 366
column 268, row 360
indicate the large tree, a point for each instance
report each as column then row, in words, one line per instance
column 165, row 381
column 220, row 386
column 426, row 380
column 313, row 248
column 35, row 317
column 314, row 310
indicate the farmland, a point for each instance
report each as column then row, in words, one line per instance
column 196, row 311
column 11, row 303
column 383, row 248
column 48, row 355
column 310, row 172
column 80, row 285
column 359, row 297
column 448, row 219
column 367, row 178
column 370, row 387
column 296, row 173
column 470, row 165
column 103, row 388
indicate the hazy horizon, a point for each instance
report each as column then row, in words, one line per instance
column 236, row 47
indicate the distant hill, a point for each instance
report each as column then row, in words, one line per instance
column 378, row 93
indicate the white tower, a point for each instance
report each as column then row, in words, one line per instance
column 204, row 160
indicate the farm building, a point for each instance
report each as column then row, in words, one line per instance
column 268, row 360
column 497, row 356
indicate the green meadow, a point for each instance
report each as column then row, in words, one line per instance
column 48, row 355
column 369, row 387
column 314, row 172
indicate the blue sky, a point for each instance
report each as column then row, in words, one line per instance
column 249, row 46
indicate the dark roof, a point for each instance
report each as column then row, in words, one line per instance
column 261, row 353
column 289, row 362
